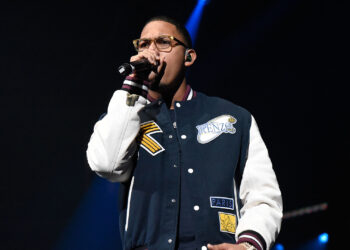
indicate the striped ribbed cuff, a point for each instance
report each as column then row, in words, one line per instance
column 253, row 238
column 136, row 86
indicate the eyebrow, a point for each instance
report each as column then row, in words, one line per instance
column 156, row 36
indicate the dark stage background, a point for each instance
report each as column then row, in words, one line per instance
column 281, row 60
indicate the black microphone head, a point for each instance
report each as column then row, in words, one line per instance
column 125, row 69
column 142, row 65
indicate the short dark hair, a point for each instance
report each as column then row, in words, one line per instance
column 179, row 26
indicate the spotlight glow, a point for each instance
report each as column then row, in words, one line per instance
column 279, row 247
column 323, row 238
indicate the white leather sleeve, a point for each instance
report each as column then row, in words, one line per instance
column 259, row 193
column 112, row 145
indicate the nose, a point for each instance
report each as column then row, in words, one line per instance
column 153, row 46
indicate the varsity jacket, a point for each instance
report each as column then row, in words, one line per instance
column 235, row 194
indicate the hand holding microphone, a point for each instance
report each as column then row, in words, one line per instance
column 145, row 65
column 142, row 65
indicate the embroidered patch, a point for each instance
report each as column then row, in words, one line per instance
column 227, row 222
column 221, row 202
column 215, row 127
column 131, row 99
column 145, row 139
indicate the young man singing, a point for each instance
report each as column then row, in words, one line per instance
column 194, row 170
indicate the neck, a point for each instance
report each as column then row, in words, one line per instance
column 171, row 96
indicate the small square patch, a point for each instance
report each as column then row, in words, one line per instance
column 227, row 222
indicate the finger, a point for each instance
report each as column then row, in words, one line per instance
column 213, row 247
column 155, row 53
column 222, row 246
column 152, row 56
column 161, row 65
column 141, row 55
column 210, row 247
column 134, row 58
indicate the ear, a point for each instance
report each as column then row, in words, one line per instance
column 190, row 57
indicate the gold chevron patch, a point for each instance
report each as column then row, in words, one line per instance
column 145, row 139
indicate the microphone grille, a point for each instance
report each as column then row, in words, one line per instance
column 125, row 69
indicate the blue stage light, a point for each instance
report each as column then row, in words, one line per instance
column 204, row 1
column 94, row 224
column 323, row 238
column 279, row 247
column 193, row 21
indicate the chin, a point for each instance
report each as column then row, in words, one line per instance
column 165, row 85
column 157, row 86
column 166, row 88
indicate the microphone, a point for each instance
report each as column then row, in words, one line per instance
column 142, row 65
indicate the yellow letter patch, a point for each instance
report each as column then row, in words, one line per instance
column 145, row 139
column 227, row 222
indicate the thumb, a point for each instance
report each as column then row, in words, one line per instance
column 160, row 72
column 161, row 65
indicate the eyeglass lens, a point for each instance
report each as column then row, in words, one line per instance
column 161, row 43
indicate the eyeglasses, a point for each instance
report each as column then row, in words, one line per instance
column 163, row 43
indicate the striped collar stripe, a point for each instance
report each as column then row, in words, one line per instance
column 135, row 84
column 135, row 79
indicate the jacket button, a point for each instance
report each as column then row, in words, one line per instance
column 173, row 200
column 190, row 170
column 196, row 208
column 178, row 105
column 170, row 136
column 183, row 137
column 170, row 240
column 175, row 166
column 204, row 248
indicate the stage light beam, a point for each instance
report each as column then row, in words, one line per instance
column 193, row 21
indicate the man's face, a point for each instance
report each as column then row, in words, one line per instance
column 174, row 69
